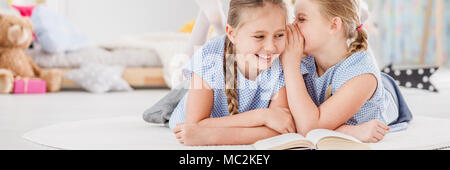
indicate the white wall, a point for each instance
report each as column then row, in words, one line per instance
column 6, row 9
column 102, row 20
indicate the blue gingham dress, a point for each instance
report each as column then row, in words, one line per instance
column 208, row 64
column 383, row 104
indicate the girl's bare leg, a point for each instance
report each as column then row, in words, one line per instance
column 211, row 14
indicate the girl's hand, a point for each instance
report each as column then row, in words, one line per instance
column 280, row 120
column 369, row 132
column 191, row 134
column 295, row 42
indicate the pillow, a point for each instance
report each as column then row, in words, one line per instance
column 97, row 78
column 54, row 33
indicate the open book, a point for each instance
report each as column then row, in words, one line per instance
column 319, row 139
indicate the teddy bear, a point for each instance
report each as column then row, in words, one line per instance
column 16, row 35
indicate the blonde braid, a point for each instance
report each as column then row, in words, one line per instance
column 230, row 78
column 355, row 29
column 360, row 43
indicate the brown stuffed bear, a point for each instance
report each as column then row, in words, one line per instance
column 15, row 38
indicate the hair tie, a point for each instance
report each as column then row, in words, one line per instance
column 360, row 27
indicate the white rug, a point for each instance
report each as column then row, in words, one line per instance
column 120, row 133
column 132, row 133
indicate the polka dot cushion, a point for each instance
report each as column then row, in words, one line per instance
column 413, row 77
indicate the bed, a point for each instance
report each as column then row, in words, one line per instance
column 145, row 58
column 142, row 67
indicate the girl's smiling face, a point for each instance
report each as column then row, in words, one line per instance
column 312, row 24
column 260, row 38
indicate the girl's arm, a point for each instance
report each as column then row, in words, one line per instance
column 195, row 135
column 280, row 113
column 201, row 99
column 200, row 102
column 337, row 109
column 240, row 129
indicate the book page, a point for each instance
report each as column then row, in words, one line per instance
column 316, row 135
column 278, row 141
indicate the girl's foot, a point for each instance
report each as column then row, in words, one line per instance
column 369, row 132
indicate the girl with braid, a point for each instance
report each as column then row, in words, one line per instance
column 331, row 81
column 237, row 94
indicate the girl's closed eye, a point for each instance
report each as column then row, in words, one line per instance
column 259, row 37
column 279, row 35
column 301, row 19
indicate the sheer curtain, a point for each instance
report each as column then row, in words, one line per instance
column 397, row 29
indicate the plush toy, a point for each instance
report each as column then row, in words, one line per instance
column 15, row 38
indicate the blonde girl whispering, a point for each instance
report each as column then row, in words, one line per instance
column 237, row 94
column 331, row 81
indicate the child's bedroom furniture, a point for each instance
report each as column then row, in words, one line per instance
column 146, row 58
column 142, row 67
